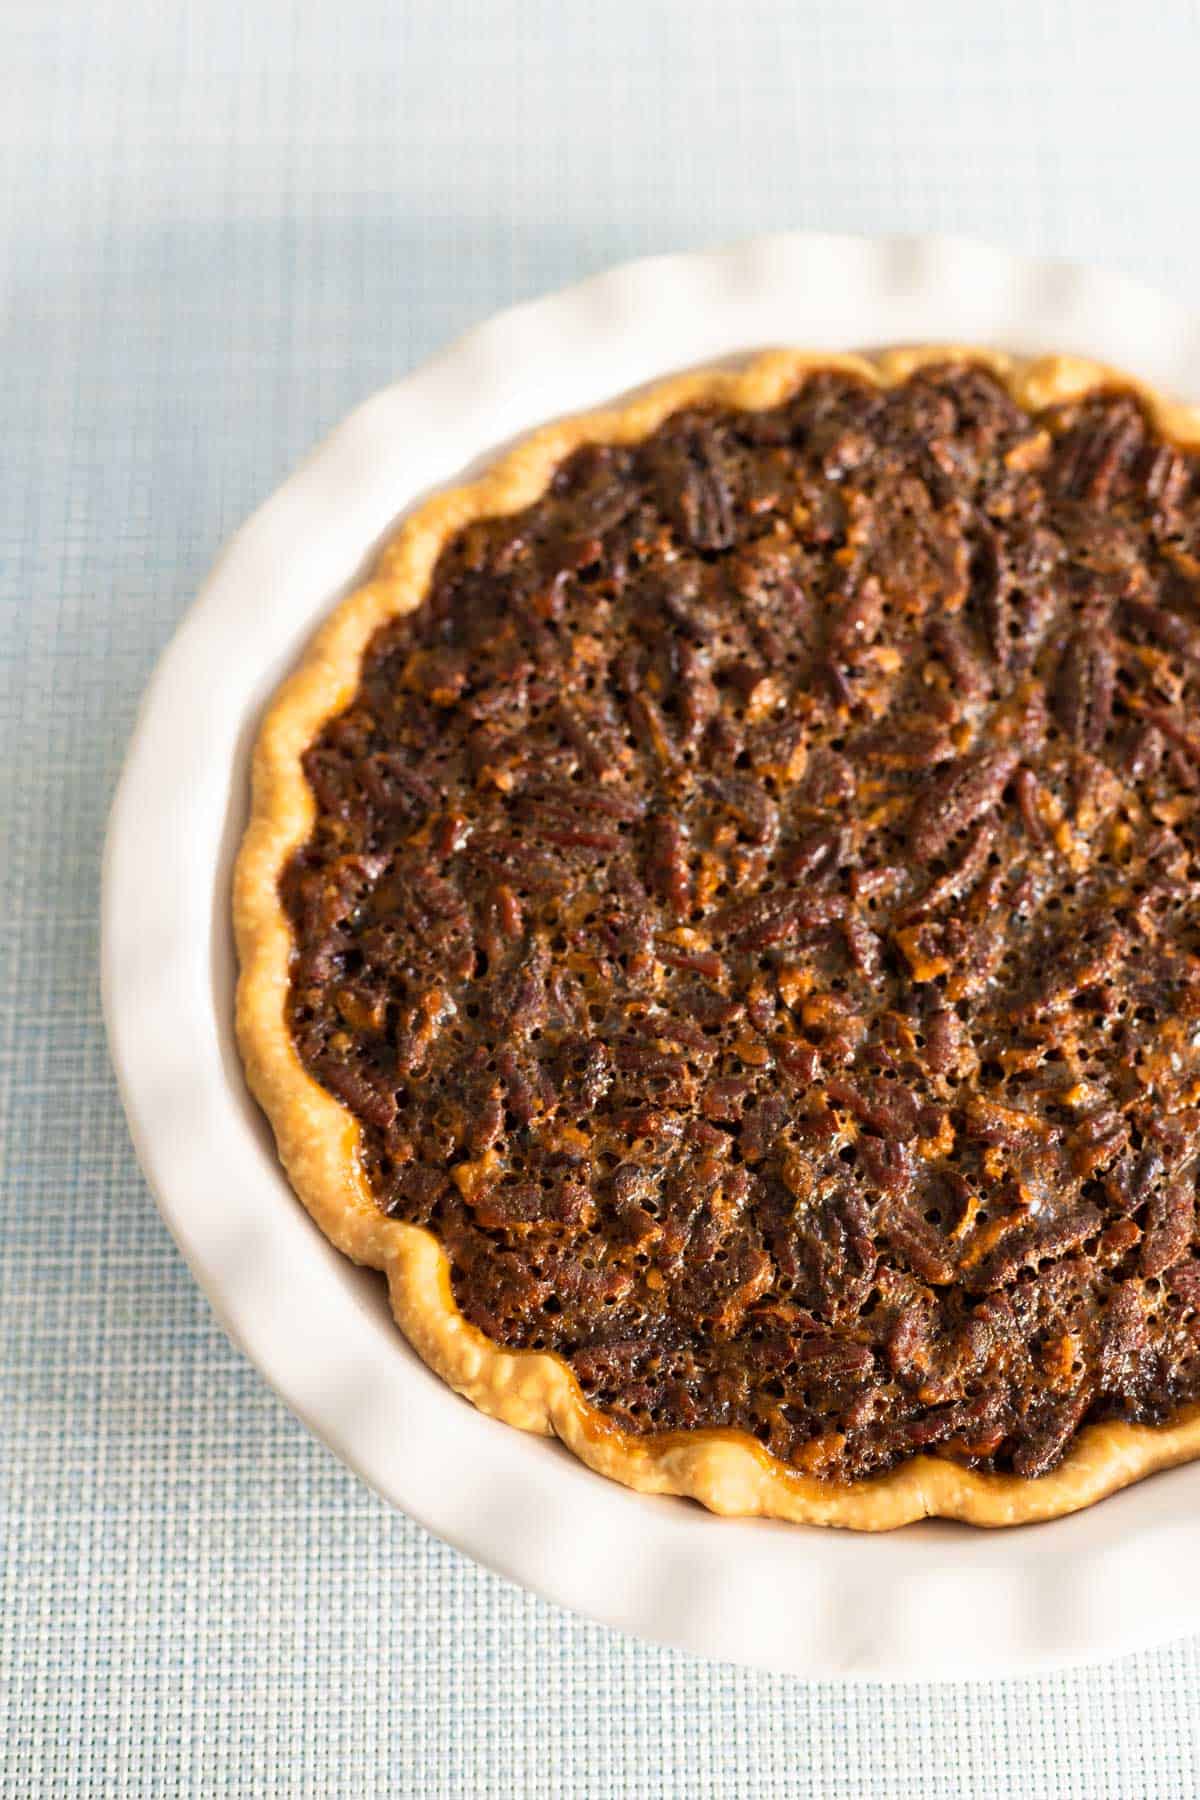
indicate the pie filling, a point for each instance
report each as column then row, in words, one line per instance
column 751, row 914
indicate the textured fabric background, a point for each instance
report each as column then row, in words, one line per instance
column 221, row 225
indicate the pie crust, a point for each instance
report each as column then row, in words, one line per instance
column 318, row 1138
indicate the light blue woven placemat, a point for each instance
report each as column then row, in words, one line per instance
column 220, row 227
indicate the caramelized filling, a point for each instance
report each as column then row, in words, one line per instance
column 751, row 914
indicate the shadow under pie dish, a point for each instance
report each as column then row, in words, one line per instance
column 715, row 929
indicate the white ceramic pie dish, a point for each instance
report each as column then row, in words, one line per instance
column 932, row 1600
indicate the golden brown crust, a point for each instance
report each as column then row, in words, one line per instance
column 318, row 1139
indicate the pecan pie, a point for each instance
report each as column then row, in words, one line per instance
column 717, row 929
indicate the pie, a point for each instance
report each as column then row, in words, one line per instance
column 718, row 928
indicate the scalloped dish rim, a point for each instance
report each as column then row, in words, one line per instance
column 812, row 1603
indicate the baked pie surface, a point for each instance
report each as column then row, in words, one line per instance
column 715, row 929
